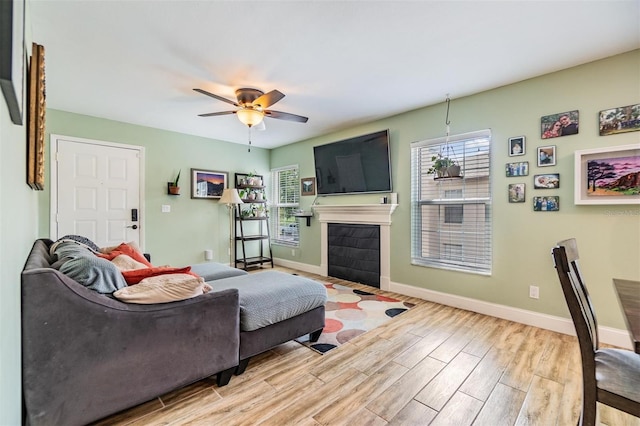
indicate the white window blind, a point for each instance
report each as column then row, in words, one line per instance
column 451, row 217
column 284, row 202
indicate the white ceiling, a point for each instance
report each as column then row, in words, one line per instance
column 339, row 63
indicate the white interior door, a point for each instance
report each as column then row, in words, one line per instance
column 96, row 190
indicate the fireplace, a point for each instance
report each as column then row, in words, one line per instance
column 354, row 252
column 369, row 214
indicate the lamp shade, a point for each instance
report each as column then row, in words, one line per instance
column 230, row 196
column 249, row 116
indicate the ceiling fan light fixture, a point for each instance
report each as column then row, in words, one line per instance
column 249, row 116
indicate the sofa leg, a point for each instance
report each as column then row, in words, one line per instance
column 313, row 337
column 223, row 377
column 242, row 366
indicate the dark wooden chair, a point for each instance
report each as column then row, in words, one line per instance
column 609, row 376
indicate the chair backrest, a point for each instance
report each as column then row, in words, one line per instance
column 565, row 256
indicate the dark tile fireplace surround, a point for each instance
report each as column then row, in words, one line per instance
column 363, row 246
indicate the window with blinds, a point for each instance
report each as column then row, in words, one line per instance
column 285, row 201
column 451, row 217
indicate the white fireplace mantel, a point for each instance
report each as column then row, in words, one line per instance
column 373, row 214
column 355, row 213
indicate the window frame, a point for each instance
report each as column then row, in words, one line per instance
column 431, row 197
column 275, row 223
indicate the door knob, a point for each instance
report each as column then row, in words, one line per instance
column 133, row 226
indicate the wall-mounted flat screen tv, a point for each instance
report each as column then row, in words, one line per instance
column 356, row 165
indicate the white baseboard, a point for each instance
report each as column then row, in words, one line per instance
column 305, row 267
column 608, row 335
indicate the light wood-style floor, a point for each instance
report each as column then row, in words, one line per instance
column 432, row 365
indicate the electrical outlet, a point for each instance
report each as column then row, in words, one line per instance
column 293, row 252
column 166, row 208
column 534, row 292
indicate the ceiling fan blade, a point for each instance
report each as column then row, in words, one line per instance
column 212, row 114
column 220, row 98
column 286, row 116
column 268, row 99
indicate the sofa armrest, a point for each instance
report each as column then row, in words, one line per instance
column 86, row 356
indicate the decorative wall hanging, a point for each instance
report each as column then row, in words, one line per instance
column 36, row 118
column 607, row 175
column 562, row 124
column 620, row 120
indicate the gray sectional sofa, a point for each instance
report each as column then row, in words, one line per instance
column 87, row 355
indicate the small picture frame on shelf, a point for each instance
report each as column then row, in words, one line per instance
column 517, row 146
column 207, row 184
column 547, row 181
column 546, row 156
column 308, row 186
column 517, row 192
column 517, row 169
column 546, row 204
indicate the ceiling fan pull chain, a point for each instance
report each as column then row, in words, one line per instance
column 249, row 149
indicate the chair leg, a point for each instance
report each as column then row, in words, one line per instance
column 223, row 377
column 313, row 337
column 242, row 366
column 588, row 414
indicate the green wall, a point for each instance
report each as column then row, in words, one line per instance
column 193, row 225
column 608, row 235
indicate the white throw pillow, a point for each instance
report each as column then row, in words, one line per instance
column 163, row 288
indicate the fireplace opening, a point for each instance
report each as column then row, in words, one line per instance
column 354, row 252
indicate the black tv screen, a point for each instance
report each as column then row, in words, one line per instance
column 356, row 165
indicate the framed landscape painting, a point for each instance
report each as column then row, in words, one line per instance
column 608, row 175
column 207, row 183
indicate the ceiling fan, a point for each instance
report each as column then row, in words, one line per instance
column 253, row 104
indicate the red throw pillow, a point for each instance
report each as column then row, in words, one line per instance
column 125, row 248
column 137, row 275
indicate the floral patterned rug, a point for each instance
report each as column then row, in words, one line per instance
column 350, row 313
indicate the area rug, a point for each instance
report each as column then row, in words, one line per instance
column 350, row 313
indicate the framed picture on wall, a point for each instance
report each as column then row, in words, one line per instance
column 517, row 169
column 516, row 192
column 607, row 175
column 546, row 156
column 546, row 204
column 620, row 120
column 207, row 183
column 561, row 124
column 548, row 181
column 517, row 146
column 308, row 186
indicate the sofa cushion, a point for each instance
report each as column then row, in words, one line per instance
column 215, row 271
column 137, row 275
column 128, row 250
column 78, row 239
column 94, row 273
column 163, row 288
column 270, row 297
